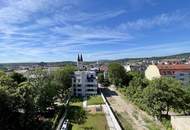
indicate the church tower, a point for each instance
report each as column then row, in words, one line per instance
column 80, row 62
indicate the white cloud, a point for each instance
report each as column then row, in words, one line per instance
column 164, row 19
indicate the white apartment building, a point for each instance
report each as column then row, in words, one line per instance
column 179, row 71
column 84, row 82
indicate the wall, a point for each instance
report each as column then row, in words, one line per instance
column 180, row 122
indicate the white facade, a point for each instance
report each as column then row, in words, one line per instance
column 84, row 83
column 183, row 76
column 127, row 68
column 154, row 71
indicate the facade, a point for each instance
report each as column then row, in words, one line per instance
column 127, row 68
column 104, row 69
column 179, row 71
column 135, row 67
column 84, row 83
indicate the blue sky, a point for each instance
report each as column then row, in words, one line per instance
column 57, row 30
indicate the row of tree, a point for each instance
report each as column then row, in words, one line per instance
column 158, row 97
column 25, row 103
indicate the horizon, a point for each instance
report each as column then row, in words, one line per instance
column 130, row 58
column 56, row 31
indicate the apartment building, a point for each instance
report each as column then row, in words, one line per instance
column 179, row 71
column 84, row 83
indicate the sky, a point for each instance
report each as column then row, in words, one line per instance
column 57, row 30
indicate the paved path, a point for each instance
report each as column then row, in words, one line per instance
column 125, row 108
column 64, row 115
column 84, row 104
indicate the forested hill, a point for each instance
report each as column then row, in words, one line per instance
column 177, row 56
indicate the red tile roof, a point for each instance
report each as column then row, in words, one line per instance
column 174, row 67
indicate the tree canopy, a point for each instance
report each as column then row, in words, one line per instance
column 117, row 74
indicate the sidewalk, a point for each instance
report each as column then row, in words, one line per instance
column 84, row 103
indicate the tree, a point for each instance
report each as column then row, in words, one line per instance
column 47, row 95
column 100, row 78
column 135, row 90
column 104, row 81
column 117, row 74
column 27, row 95
column 163, row 94
column 62, row 80
column 18, row 78
column 9, row 103
column 185, row 103
column 77, row 114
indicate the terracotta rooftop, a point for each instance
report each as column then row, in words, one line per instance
column 174, row 67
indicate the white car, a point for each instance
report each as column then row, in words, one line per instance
column 65, row 125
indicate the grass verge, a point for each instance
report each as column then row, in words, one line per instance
column 76, row 101
column 94, row 122
column 95, row 100
column 125, row 121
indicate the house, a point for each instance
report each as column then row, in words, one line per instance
column 179, row 71
column 127, row 68
column 84, row 83
column 104, row 69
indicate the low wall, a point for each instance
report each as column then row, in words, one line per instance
column 116, row 124
column 180, row 122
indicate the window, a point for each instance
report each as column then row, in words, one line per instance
column 89, row 85
column 79, row 85
column 79, row 90
column 78, row 80
column 90, row 90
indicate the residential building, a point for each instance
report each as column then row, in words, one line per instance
column 135, row 67
column 179, row 71
column 84, row 83
column 127, row 68
column 104, row 69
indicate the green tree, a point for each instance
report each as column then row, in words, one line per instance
column 18, row 78
column 163, row 94
column 62, row 80
column 135, row 90
column 27, row 95
column 77, row 114
column 100, row 78
column 117, row 74
column 9, row 103
column 47, row 95
column 104, row 81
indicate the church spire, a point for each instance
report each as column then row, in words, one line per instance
column 81, row 58
column 78, row 58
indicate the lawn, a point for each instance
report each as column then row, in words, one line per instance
column 95, row 100
column 76, row 101
column 94, row 122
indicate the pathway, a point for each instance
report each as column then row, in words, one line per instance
column 126, row 109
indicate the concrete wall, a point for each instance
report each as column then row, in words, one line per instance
column 180, row 122
column 116, row 124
